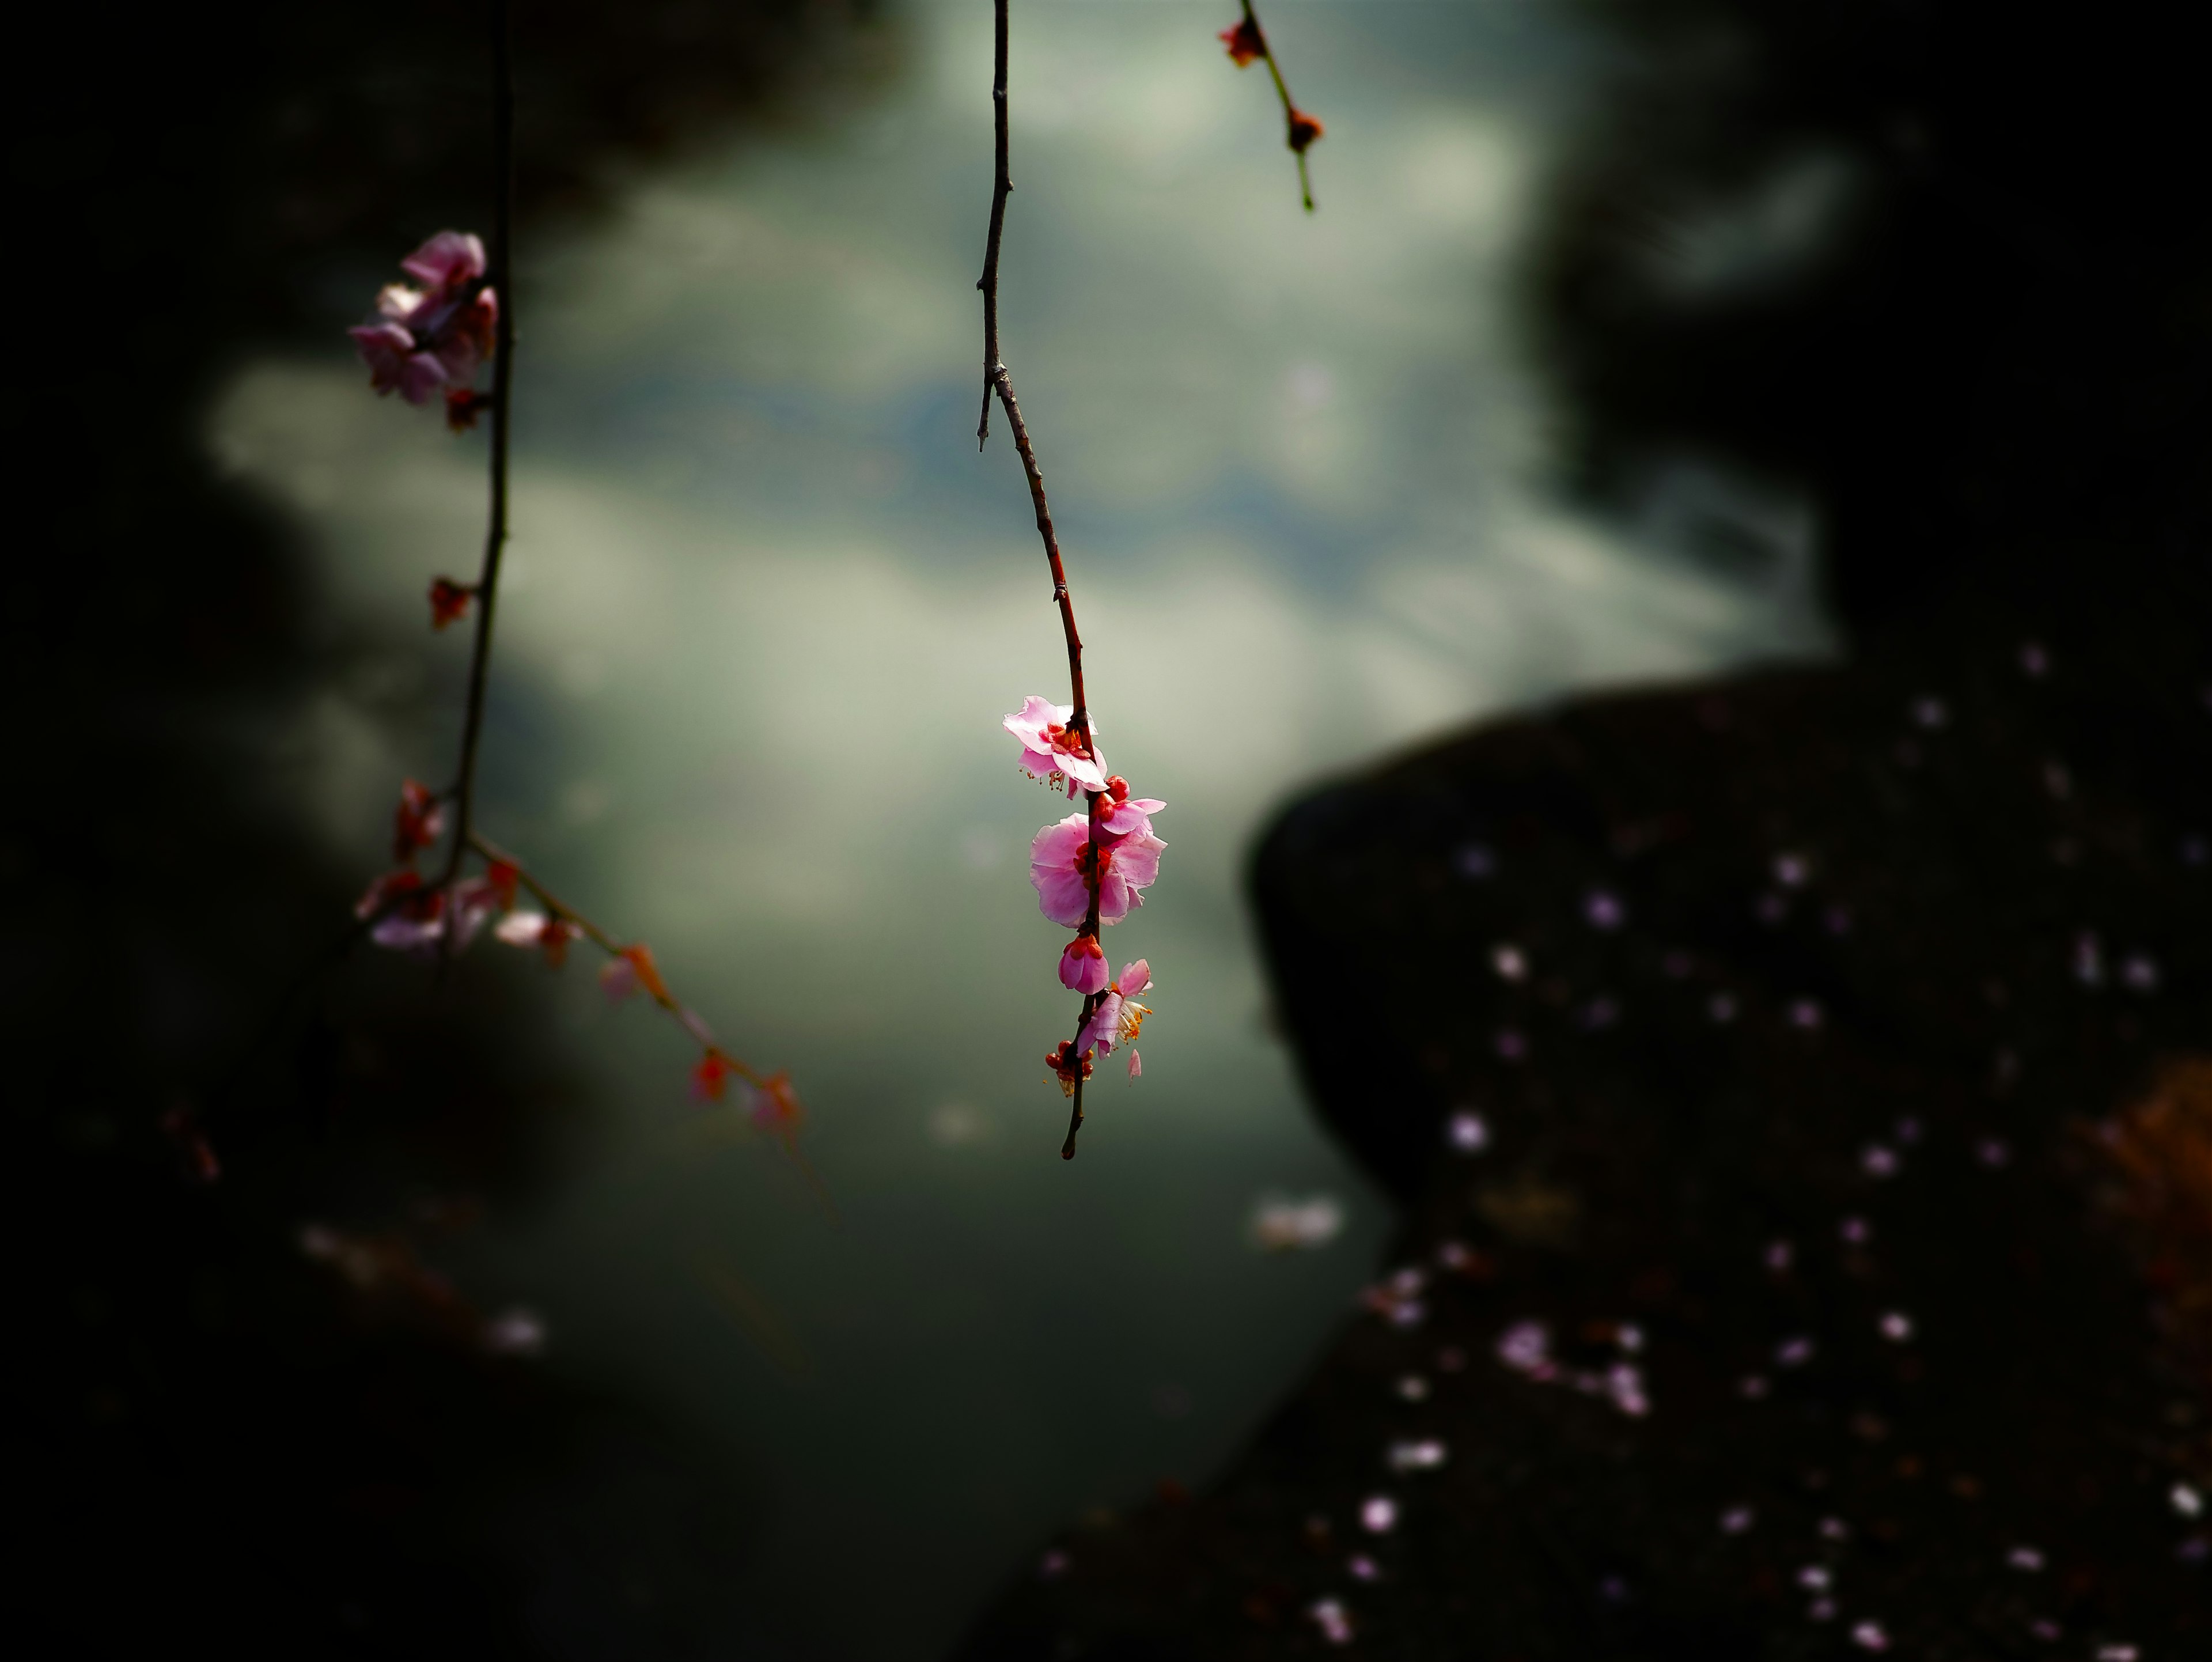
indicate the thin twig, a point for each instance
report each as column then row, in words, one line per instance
column 655, row 988
column 500, row 278
column 997, row 380
column 1002, row 189
column 1289, row 110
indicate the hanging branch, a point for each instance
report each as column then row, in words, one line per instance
column 500, row 276
column 1115, row 827
column 630, row 968
column 1248, row 42
column 433, row 341
column 997, row 380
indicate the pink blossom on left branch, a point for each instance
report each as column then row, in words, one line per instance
column 425, row 341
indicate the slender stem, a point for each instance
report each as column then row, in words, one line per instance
column 649, row 978
column 997, row 380
column 1091, row 1000
column 1002, row 189
column 500, row 280
column 1289, row 110
column 598, row 937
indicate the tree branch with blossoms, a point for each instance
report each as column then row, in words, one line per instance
column 1089, row 868
column 1248, row 44
column 433, row 341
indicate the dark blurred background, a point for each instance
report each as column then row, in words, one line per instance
column 1937, row 268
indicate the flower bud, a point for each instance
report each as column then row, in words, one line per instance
column 449, row 601
column 1245, row 43
column 1083, row 965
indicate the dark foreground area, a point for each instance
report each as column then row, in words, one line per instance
column 1797, row 1089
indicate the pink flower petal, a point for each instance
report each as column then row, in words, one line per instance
column 1036, row 714
column 383, row 347
column 401, row 932
column 1136, row 1063
column 1132, row 818
column 1102, row 1029
column 1135, row 977
column 1129, row 865
column 1084, row 770
column 421, row 377
column 448, row 260
column 1062, row 894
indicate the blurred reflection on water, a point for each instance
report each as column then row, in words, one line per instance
column 766, row 607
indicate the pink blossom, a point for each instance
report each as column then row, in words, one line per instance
column 1060, row 862
column 446, row 260
column 1117, row 1018
column 1125, row 815
column 394, row 365
column 459, row 332
column 1050, row 751
column 475, row 900
column 409, row 914
column 528, row 929
column 1083, row 965
column 1525, row 1347
column 415, row 915
column 423, row 339
column 415, row 926
column 1329, row 1615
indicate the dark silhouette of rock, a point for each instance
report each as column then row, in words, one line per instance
column 1786, row 1014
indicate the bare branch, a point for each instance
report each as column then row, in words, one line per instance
column 1299, row 129
column 500, row 277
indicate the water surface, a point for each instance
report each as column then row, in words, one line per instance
column 767, row 607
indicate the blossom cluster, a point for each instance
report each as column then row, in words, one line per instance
column 432, row 339
column 1089, row 871
column 407, row 913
